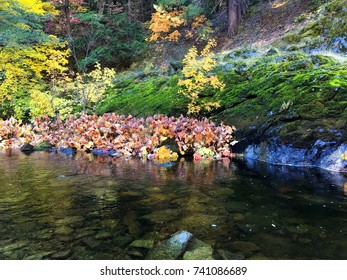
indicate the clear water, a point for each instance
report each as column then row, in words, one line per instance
column 58, row 207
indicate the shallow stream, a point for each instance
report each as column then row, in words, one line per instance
column 84, row 207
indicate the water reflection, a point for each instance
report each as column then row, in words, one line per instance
column 86, row 207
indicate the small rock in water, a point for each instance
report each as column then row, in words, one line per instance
column 135, row 253
column 91, row 242
column 203, row 253
column 245, row 247
column 63, row 230
column 238, row 217
column 172, row 248
column 62, row 255
column 146, row 244
column 198, row 250
column 38, row 256
column 304, row 240
column 103, row 235
column 14, row 246
column 165, row 215
column 123, row 240
column 226, row 255
column 258, row 257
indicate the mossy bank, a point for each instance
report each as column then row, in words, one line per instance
column 288, row 102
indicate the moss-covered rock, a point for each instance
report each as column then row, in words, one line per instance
column 295, row 97
column 325, row 31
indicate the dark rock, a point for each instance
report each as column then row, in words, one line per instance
column 26, row 148
column 39, row 256
column 172, row 248
column 103, row 235
column 123, row 240
column 136, row 254
column 62, row 255
column 226, row 255
column 91, row 242
column 322, row 154
column 246, row 248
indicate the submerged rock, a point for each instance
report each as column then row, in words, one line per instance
column 165, row 215
column 172, row 248
column 62, row 255
column 246, row 248
column 39, row 256
column 14, row 246
column 203, row 253
column 136, row 254
column 91, row 242
column 63, row 230
column 146, row 244
column 123, row 240
column 226, row 255
column 103, row 235
column 198, row 250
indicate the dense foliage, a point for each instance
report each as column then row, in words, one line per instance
column 58, row 58
column 124, row 136
column 197, row 79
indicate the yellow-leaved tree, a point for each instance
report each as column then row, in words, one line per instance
column 198, row 79
column 173, row 25
column 89, row 88
column 29, row 70
column 30, row 60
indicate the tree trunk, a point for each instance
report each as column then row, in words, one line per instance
column 234, row 13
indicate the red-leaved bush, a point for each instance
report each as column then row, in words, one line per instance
column 127, row 136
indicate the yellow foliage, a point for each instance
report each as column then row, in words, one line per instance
column 26, row 69
column 163, row 23
column 163, row 155
column 40, row 103
column 168, row 25
column 90, row 87
column 34, row 6
column 197, row 78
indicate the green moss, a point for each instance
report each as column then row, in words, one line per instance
column 327, row 30
column 144, row 97
column 292, row 93
column 278, row 90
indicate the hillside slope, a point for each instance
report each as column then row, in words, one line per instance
column 286, row 91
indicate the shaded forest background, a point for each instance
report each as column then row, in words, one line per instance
column 60, row 57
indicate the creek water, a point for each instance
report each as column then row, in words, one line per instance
column 83, row 207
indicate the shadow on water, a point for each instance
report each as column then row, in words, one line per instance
column 86, row 207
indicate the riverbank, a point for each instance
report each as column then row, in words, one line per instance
column 287, row 98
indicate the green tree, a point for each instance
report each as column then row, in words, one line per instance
column 98, row 31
